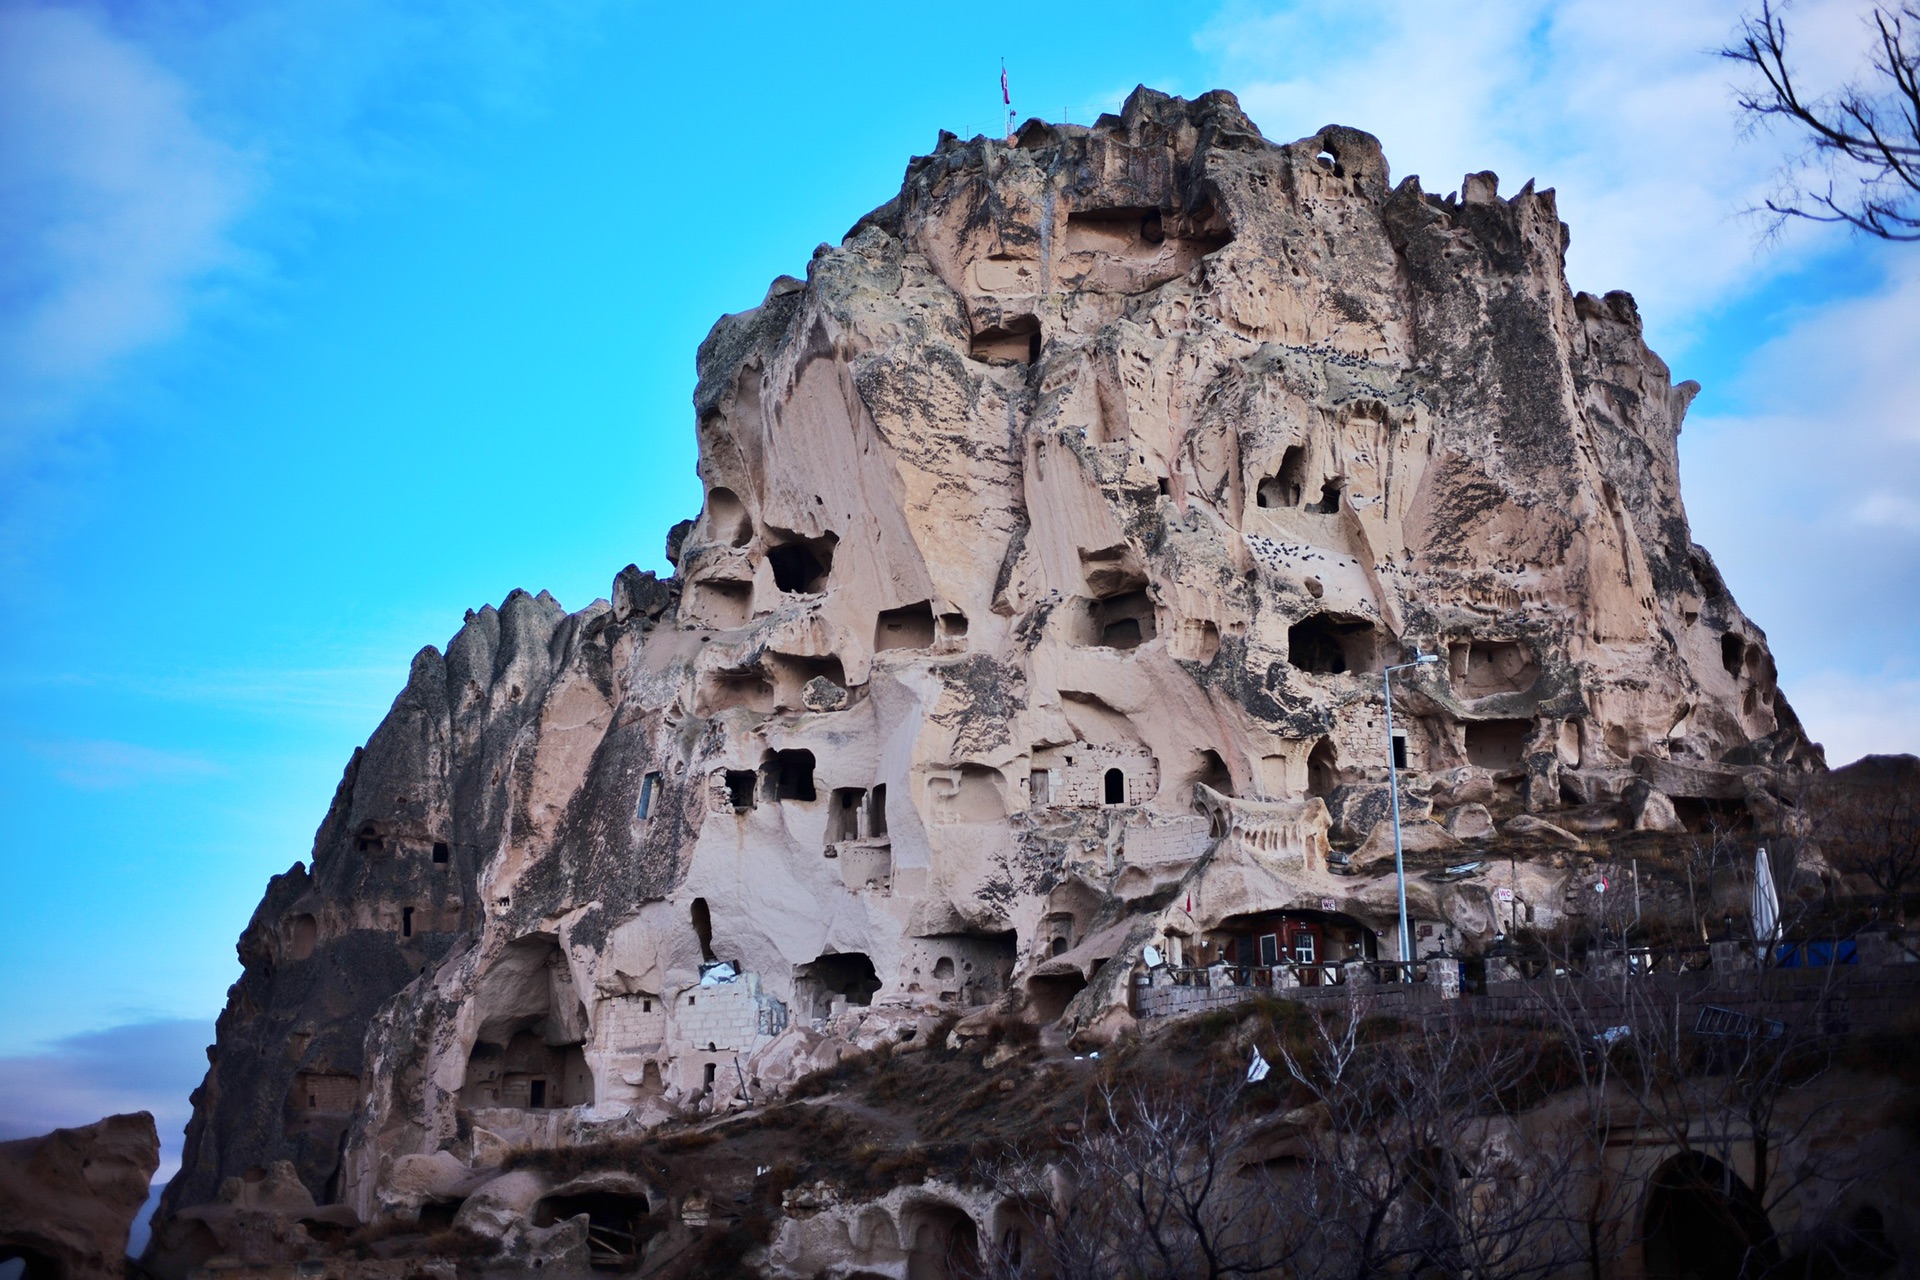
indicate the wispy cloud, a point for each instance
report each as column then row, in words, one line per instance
column 115, row 202
column 141, row 1066
column 1617, row 104
column 105, row 766
column 1811, row 502
column 159, row 159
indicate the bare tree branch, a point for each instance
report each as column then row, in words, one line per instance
column 1861, row 166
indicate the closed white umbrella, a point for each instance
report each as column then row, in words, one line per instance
column 1766, row 904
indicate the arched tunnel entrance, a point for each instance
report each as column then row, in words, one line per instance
column 1704, row 1223
column 1048, row 995
column 942, row 1243
column 617, row 1224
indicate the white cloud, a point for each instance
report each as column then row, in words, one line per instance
column 1618, row 105
column 97, row 765
column 1811, row 504
column 1889, row 511
column 151, row 156
column 113, row 200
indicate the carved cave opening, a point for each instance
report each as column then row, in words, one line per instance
column 793, row 673
column 1016, row 341
column 857, row 813
column 788, row 775
column 1297, row 937
column 1703, row 1222
column 1331, row 644
column 701, row 917
column 1049, row 994
column 727, row 519
column 1329, row 501
column 1285, row 487
column 944, row 1244
column 741, row 784
column 967, row 968
column 1323, row 769
column 801, row 565
column 528, row 1049
column 1123, row 621
column 1480, row 668
column 1499, row 745
column 527, row 1074
column 1213, row 772
column 908, row 627
column 844, row 975
column 745, row 688
column 1733, row 654
column 969, row 793
column 617, row 1224
column 442, row 853
column 1113, row 787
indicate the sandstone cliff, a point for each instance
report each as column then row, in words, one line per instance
column 1058, row 529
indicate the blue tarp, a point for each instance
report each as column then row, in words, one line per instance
column 1817, row 953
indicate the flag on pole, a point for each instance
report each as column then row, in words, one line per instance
column 1258, row 1068
column 1005, row 96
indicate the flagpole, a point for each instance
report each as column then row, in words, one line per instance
column 1006, row 98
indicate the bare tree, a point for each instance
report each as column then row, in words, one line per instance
column 1860, row 164
column 1387, row 1151
column 1165, row 1182
column 1869, row 826
column 1423, row 1157
column 1705, row 1074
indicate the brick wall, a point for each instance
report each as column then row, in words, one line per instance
column 1077, row 775
column 1173, row 840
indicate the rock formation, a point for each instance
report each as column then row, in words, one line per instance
column 68, row 1199
column 1058, row 529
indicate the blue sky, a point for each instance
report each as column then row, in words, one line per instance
column 321, row 323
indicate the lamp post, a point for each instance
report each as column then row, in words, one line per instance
column 1393, row 789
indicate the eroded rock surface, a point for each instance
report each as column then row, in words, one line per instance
column 1058, row 529
column 68, row 1198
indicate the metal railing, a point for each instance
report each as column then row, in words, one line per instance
column 1285, row 976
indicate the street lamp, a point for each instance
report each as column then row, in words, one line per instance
column 1393, row 789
